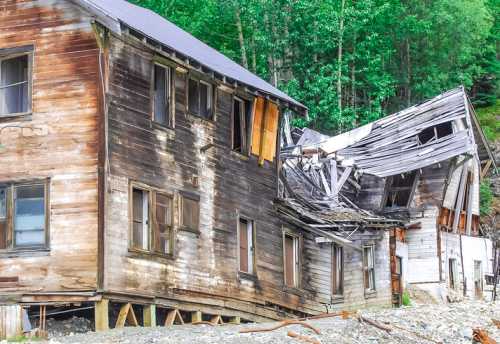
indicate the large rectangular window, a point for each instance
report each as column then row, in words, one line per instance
column 15, row 79
column 156, row 235
column 23, row 216
column 369, row 268
column 247, row 250
column 291, row 257
column 241, row 125
column 399, row 190
column 162, row 99
column 200, row 98
column 337, row 270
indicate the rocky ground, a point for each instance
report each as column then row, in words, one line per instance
column 434, row 323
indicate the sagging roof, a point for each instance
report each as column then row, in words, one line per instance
column 392, row 145
column 115, row 14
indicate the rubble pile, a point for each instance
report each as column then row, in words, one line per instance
column 69, row 326
column 437, row 323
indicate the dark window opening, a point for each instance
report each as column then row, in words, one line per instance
column 140, row 219
column 337, row 270
column 200, row 98
column 190, row 218
column 14, row 85
column 162, row 95
column 241, row 125
column 436, row 132
column 291, row 258
column 247, row 250
column 400, row 189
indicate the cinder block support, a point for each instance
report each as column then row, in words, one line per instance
column 101, row 315
column 149, row 315
column 196, row 316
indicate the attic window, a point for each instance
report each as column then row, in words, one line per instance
column 400, row 189
column 15, row 80
column 241, row 125
column 436, row 132
column 201, row 98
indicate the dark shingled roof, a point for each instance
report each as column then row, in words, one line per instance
column 112, row 13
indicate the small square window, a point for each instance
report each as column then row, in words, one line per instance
column 190, row 219
column 200, row 98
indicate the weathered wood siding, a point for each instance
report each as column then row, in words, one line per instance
column 62, row 145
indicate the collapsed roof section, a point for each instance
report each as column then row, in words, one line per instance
column 419, row 136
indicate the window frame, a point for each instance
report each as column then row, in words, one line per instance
column 370, row 289
column 246, row 101
column 251, row 249
column 10, row 53
column 10, row 215
column 452, row 273
column 152, row 221
column 192, row 197
column 334, row 289
column 297, row 246
column 199, row 79
column 388, row 189
column 167, row 66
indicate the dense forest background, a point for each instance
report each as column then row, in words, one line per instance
column 352, row 62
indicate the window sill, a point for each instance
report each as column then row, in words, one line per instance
column 147, row 255
column 20, row 253
column 196, row 117
column 294, row 290
column 337, row 299
column 156, row 125
column 247, row 276
column 190, row 230
column 370, row 294
column 26, row 116
column 240, row 155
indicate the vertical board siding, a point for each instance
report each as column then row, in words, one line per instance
column 10, row 321
column 58, row 141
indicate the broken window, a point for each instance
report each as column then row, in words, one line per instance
column 400, row 189
column 247, row 249
column 452, row 273
column 369, row 267
column 190, row 218
column 436, row 132
column 23, row 216
column 140, row 219
column 200, row 98
column 291, row 257
column 163, row 231
column 337, row 270
column 162, row 103
column 241, row 126
column 15, row 81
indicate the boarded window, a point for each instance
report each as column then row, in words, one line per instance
column 163, row 231
column 436, row 132
column 140, row 219
column 190, row 213
column 241, row 125
column 247, row 250
column 29, row 215
column 337, row 270
column 162, row 95
column 264, row 129
column 200, row 98
column 452, row 273
column 291, row 258
column 14, row 85
column 400, row 189
column 369, row 267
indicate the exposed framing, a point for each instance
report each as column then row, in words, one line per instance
column 254, row 240
column 9, row 53
column 388, row 188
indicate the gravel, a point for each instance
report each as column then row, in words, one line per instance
column 449, row 324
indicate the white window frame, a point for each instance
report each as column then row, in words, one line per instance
column 251, row 236
column 370, row 268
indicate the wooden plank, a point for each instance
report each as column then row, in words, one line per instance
column 122, row 316
column 196, row 316
column 101, row 315
column 149, row 315
column 234, row 320
column 258, row 116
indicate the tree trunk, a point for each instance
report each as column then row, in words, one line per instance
column 244, row 60
column 339, row 61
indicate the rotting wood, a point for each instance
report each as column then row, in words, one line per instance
column 196, row 316
column 280, row 325
column 496, row 323
column 303, row 338
column 101, row 315
column 126, row 315
column 481, row 336
column 216, row 320
column 149, row 316
column 374, row 323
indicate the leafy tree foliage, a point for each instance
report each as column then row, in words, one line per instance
column 351, row 61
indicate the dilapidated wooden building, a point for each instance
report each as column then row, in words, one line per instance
column 139, row 171
column 421, row 166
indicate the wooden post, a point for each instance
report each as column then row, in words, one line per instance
column 101, row 315
column 234, row 320
column 149, row 315
column 216, row 320
column 174, row 316
column 196, row 316
column 126, row 314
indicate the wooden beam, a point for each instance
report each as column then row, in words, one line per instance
column 343, row 178
column 101, row 315
column 216, row 320
column 333, row 179
column 486, row 168
column 126, row 315
column 196, row 316
column 174, row 317
column 235, row 320
column 149, row 315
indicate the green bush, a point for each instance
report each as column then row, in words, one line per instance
column 485, row 197
column 406, row 299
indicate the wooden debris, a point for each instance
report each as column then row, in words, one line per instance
column 378, row 325
column 343, row 314
column 280, row 325
column 302, row 338
column 496, row 323
column 481, row 336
